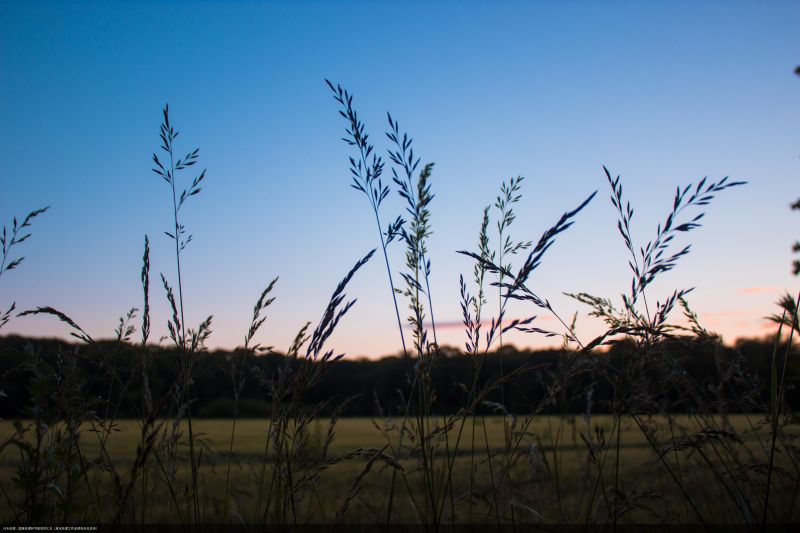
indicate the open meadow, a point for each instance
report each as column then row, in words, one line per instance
column 551, row 479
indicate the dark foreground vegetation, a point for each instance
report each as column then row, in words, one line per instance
column 31, row 366
column 649, row 422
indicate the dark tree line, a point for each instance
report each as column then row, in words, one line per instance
column 109, row 376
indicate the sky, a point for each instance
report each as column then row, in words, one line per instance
column 662, row 93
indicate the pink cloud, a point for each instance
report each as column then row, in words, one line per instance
column 729, row 313
column 767, row 289
column 458, row 324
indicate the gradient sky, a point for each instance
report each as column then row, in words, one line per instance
column 663, row 93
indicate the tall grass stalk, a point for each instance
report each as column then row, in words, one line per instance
column 292, row 476
column 776, row 398
column 181, row 239
column 509, row 195
column 9, row 239
column 147, row 402
column 238, row 361
column 646, row 263
column 516, row 288
column 417, row 199
column 366, row 177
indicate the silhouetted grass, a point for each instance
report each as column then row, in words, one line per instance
column 13, row 236
column 730, row 456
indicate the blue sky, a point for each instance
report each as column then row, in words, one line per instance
column 663, row 93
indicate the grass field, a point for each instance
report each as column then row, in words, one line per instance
column 550, row 480
column 352, row 433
